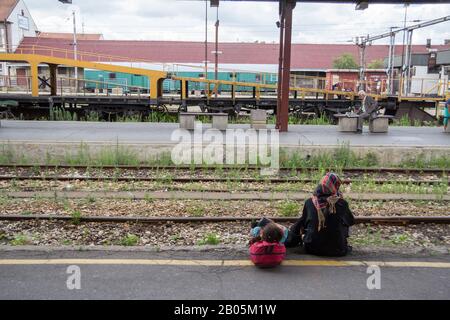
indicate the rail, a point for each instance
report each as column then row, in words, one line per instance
column 382, row 220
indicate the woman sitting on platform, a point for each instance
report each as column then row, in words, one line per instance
column 325, row 221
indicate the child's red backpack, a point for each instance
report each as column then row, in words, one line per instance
column 266, row 254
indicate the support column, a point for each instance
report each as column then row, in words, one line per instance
column 156, row 87
column 406, row 72
column 288, row 5
column 53, row 89
column 408, row 66
column 280, row 64
column 391, row 63
column 362, row 52
column 34, row 79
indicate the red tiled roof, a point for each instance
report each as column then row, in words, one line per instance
column 304, row 56
column 69, row 36
column 6, row 7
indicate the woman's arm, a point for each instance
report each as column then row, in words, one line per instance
column 299, row 225
column 348, row 217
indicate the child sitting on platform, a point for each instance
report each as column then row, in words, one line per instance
column 267, row 230
column 266, row 245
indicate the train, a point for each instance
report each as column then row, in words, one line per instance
column 104, row 80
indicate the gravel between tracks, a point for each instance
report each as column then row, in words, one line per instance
column 151, row 207
column 235, row 233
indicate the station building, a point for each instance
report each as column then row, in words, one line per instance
column 16, row 23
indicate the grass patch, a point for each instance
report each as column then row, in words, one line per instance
column 90, row 199
column 209, row 239
column 20, row 240
column 129, row 240
column 195, row 211
column 76, row 217
column 399, row 239
column 148, row 198
column 289, row 208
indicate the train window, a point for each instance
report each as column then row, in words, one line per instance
column 62, row 71
column 258, row 78
column 112, row 75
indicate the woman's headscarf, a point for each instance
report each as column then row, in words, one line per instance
column 326, row 195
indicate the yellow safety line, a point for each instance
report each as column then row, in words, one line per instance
column 225, row 263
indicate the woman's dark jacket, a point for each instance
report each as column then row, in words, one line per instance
column 330, row 240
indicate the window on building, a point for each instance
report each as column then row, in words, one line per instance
column 112, row 75
column 62, row 71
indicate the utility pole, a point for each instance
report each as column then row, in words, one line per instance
column 217, row 45
column 361, row 42
column 390, row 71
column 75, row 43
column 206, row 39
column 216, row 67
column 403, row 42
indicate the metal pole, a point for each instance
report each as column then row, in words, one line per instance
column 391, row 63
column 280, row 64
column 206, row 40
column 217, row 51
column 408, row 66
column 362, row 53
column 403, row 42
column 75, row 48
column 284, row 110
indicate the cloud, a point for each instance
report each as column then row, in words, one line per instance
column 239, row 21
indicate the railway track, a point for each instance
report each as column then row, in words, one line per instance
column 214, row 195
column 225, row 168
column 205, row 179
column 384, row 220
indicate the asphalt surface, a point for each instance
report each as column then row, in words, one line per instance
column 160, row 133
column 181, row 278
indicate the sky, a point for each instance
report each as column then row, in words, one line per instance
column 239, row 22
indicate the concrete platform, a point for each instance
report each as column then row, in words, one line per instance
column 217, row 275
column 151, row 138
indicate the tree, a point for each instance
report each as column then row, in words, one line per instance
column 345, row 61
column 376, row 64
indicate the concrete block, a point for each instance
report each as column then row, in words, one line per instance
column 220, row 122
column 187, row 121
column 258, row 119
column 379, row 124
column 348, row 124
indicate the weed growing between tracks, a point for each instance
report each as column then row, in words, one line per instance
column 335, row 159
column 209, row 239
column 234, row 233
column 129, row 240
